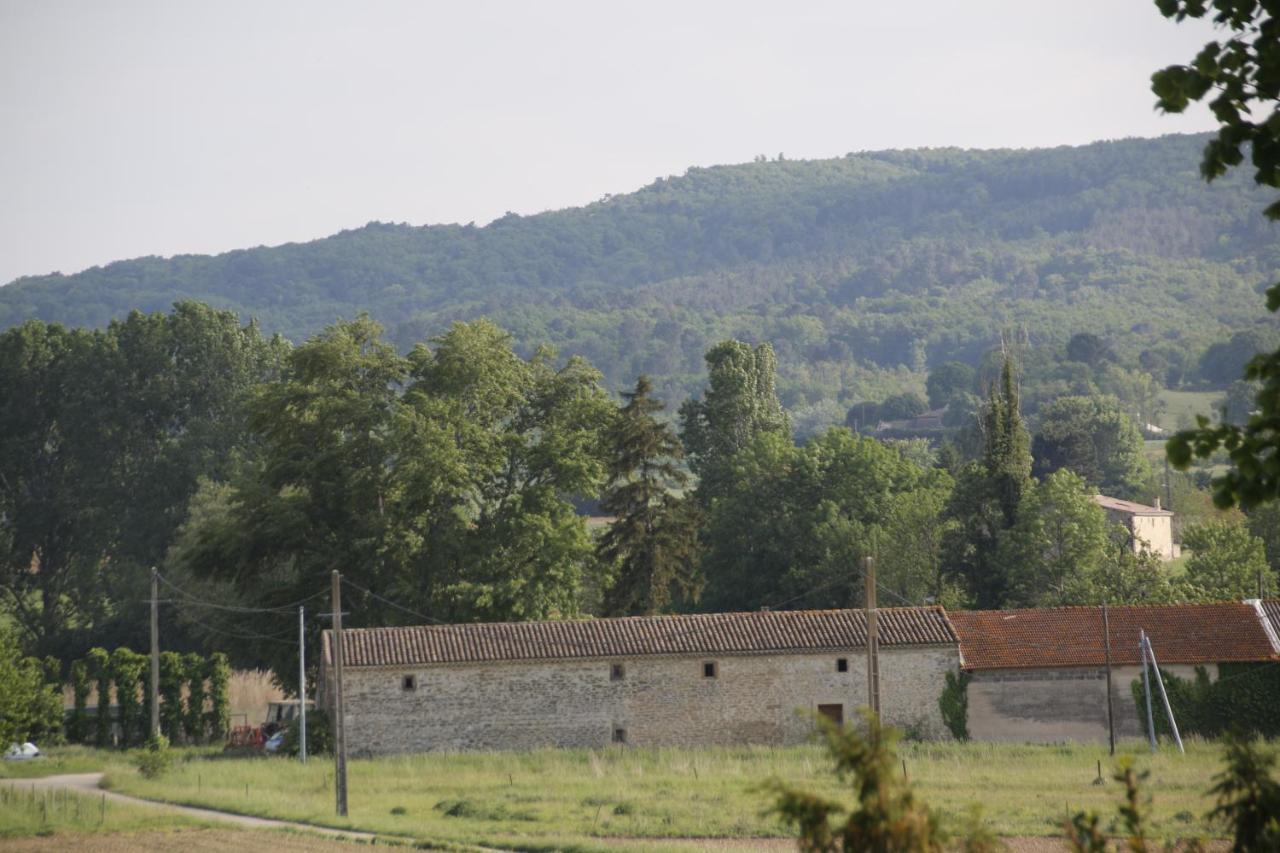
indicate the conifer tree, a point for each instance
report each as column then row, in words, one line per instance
column 653, row 541
column 985, row 501
column 1007, row 455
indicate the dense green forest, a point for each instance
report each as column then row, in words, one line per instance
column 862, row 271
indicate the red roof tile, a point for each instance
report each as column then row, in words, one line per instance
column 1072, row 636
column 698, row 634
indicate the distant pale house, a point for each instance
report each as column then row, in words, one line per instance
column 1150, row 527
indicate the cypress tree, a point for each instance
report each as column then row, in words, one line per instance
column 1007, row 455
column 653, row 540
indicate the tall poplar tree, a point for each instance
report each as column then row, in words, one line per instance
column 739, row 404
column 653, row 541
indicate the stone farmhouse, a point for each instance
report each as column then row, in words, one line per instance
column 1039, row 675
column 1150, row 527
column 706, row 679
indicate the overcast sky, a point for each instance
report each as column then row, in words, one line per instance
column 161, row 128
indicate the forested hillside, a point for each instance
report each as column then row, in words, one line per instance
column 862, row 270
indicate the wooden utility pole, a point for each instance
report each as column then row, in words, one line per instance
column 873, row 638
column 302, row 686
column 155, row 655
column 339, row 723
column 1111, row 711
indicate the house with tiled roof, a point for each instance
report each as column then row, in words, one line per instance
column 1040, row 675
column 703, row 679
column 1150, row 527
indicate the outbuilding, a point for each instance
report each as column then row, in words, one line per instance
column 1040, row 675
column 695, row 680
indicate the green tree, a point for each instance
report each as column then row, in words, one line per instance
column 97, row 463
column 1243, row 74
column 1264, row 523
column 739, row 404
column 25, row 697
column 1056, row 545
column 1089, row 349
column 987, row 495
column 81, row 684
column 1006, row 449
column 652, row 544
column 1094, row 438
column 792, row 521
column 948, row 381
column 171, row 710
column 1226, row 561
column 442, row 480
column 913, row 522
column 1124, row 577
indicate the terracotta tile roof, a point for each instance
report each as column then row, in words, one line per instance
column 1129, row 508
column 1072, row 636
column 698, row 634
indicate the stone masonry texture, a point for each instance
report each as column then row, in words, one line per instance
column 658, row 700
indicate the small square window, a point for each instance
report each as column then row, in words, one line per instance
column 619, row 735
column 409, row 682
column 709, row 670
column 842, row 664
column 617, row 672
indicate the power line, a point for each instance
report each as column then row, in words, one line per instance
column 195, row 601
column 250, row 635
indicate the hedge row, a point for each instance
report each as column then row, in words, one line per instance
column 1244, row 699
column 202, row 715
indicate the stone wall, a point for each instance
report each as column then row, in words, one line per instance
column 653, row 701
column 1058, row 705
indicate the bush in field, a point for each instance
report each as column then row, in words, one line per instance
column 1248, row 797
column 154, row 761
column 885, row 814
column 319, row 735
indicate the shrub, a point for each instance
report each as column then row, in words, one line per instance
column 1248, row 797
column 156, row 759
column 319, row 736
column 884, row 814
column 954, row 704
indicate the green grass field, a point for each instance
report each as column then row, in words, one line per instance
column 1181, row 407
column 576, row 798
column 29, row 811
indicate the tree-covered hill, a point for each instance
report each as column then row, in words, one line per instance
column 861, row 270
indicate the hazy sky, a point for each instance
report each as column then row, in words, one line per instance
column 159, row 128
